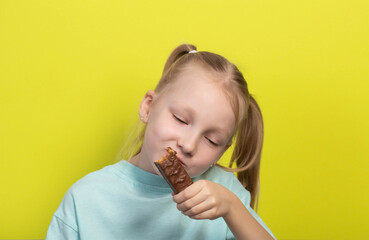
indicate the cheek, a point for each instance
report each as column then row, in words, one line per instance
column 161, row 130
column 205, row 158
column 202, row 162
column 198, row 169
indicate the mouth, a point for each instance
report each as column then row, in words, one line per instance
column 178, row 157
column 180, row 160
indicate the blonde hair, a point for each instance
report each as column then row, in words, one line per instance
column 249, row 126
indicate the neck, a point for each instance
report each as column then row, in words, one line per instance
column 138, row 161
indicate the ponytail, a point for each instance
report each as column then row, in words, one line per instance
column 247, row 151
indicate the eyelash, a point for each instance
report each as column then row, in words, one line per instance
column 183, row 122
column 211, row 142
column 179, row 120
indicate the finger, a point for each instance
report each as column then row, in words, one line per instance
column 188, row 193
column 192, row 202
column 208, row 214
column 198, row 209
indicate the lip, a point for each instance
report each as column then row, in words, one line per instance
column 182, row 163
column 180, row 160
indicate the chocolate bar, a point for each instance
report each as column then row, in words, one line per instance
column 173, row 172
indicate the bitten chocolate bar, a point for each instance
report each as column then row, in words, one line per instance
column 173, row 172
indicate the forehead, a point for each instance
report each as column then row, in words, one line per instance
column 198, row 92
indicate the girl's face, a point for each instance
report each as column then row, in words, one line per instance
column 193, row 117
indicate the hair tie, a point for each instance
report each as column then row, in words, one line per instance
column 192, row 51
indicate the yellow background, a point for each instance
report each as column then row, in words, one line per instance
column 72, row 74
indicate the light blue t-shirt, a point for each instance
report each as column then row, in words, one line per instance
column 122, row 201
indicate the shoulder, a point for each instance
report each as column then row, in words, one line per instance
column 89, row 180
column 84, row 188
column 80, row 193
column 93, row 181
column 87, row 186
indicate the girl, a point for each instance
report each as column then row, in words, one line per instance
column 200, row 106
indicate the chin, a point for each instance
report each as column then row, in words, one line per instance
column 196, row 174
column 192, row 175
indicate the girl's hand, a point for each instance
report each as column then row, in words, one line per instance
column 204, row 200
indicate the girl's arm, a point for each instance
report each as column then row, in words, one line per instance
column 208, row 200
column 242, row 224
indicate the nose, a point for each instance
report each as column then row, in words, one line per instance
column 187, row 143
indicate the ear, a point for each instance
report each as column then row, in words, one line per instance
column 146, row 105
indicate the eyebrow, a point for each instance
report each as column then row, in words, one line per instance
column 186, row 108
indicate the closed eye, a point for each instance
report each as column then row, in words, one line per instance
column 179, row 119
column 211, row 142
